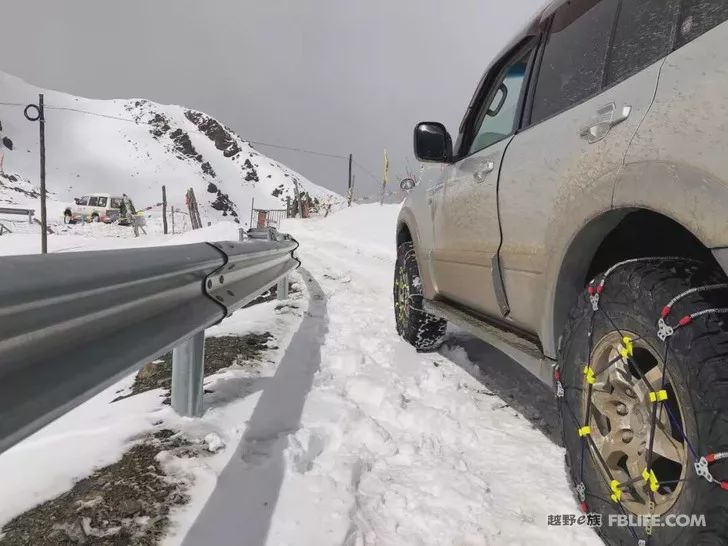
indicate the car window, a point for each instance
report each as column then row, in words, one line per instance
column 93, row 201
column 643, row 35
column 102, row 201
column 497, row 118
column 698, row 17
column 83, row 201
column 115, row 202
column 572, row 67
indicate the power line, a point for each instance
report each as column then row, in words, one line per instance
column 301, row 150
column 366, row 171
column 256, row 142
column 137, row 122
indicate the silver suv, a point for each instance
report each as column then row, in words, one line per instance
column 579, row 223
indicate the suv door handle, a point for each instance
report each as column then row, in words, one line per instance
column 606, row 119
column 481, row 174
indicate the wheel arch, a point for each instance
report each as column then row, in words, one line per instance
column 608, row 239
column 407, row 231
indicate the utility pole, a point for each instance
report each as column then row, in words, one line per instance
column 164, row 208
column 172, row 211
column 350, row 193
column 39, row 116
column 5, row 142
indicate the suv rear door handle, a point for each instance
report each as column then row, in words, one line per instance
column 605, row 120
column 482, row 173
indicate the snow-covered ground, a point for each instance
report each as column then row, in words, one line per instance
column 136, row 146
column 348, row 436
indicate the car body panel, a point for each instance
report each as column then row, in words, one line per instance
column 466, row 231
column 559, row 195
column 677, row 164
column 545, row 198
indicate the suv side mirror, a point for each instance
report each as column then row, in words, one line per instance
column 432, row 142
column 407, row 183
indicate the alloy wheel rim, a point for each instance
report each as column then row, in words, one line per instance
column 620, row 417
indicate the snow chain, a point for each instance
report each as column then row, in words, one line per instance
column 657, row 396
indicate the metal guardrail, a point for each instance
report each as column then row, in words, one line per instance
column 22, row 212
column 72, row 324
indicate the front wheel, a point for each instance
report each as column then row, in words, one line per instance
column 635, row 404
column 419, row 328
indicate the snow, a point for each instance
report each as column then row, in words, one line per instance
column 391, row 446
column 107, row 146
column 96, row 433
column 93, row 435
column 345, row 434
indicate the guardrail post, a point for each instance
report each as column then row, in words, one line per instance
column 282, row 288
column 188, row 370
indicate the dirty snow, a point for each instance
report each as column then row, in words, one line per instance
column 345, row 435
column 97, row 432
column 391, row 447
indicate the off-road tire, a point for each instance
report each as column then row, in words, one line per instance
column 67, row 218
column 421, row 329
column 633, row 297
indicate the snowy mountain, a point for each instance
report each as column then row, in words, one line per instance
column 136, row 146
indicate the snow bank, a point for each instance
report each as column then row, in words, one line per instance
column 361, row 228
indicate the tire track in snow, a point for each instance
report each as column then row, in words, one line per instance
column 408, row 448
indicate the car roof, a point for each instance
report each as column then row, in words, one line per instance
column 531, row 26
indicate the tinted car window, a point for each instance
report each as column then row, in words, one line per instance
column 93, row 201
column 102, row 201
column 115, row 202
column 698, row 17
column 572, row 67
column 498, row 119
column 643, row 35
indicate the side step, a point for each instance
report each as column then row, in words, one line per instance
column 523, row 351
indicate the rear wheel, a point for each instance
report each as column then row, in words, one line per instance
column 421, row 329
column 94, row 217
column 67, row 217
column 692, row 422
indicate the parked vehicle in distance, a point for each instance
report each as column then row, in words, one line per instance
column 94, row 207
column 579, row 224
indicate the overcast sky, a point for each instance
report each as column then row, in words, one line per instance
column 336, row 76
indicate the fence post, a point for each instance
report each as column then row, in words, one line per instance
column 164, row 208
column 188, row 371
column 350, row 190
